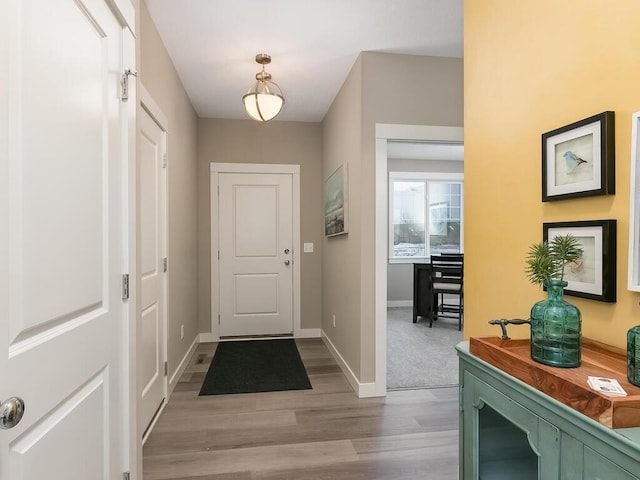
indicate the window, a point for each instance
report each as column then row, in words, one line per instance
column 426, row 215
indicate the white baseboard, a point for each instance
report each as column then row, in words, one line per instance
column 154, row 421
column 368, row 390
column 207, row 337
column 182, row 366
column 173, row 381
column 363, row 390
column 308, row 333
column 399, row 303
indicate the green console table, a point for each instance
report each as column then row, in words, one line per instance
column 511, row 430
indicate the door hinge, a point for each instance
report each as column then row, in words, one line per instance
column 460, row 398
column 124, row 83
column 166, row 369
column 218, row 254
column 126, row 476
column 125, row 286
column 164, row 160
column 218, row 319
column 164, row 264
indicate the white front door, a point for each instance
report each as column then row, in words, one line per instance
column 256, row 245
column 151, row 304
column 63, row 239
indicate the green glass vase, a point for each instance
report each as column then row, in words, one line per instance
column 556, row 329
column 633, row 355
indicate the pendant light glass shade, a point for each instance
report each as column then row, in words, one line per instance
column 264, row 100
column 262, row 106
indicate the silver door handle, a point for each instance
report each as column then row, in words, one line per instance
column 11, row 412
column 287, row 262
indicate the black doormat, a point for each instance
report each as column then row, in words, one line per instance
column 255, row 366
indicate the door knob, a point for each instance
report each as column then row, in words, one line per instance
column 286, row 262
column 11, row 412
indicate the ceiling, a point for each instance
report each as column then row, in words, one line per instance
column 313, row 45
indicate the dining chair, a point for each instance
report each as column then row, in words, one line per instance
column 447, row 273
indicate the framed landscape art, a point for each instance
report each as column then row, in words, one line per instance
column 336, row 212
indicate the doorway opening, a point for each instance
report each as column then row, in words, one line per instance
column 390, row 138
column 426, row 217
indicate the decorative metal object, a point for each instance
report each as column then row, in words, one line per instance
column 503, row 322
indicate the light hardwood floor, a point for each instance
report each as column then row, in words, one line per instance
column 326, row 433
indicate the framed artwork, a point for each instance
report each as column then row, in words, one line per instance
column 594, row 275
column 578, row 160
column 634, row 207
column 336, row 211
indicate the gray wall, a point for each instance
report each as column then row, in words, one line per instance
column 382, row 88
column 342, row 144
column 248, row 141
column 158, row 75
column 400, row 282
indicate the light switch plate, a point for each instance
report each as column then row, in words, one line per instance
column 308, row 248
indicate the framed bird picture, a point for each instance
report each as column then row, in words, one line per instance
column 593, row 275
column 578, row 160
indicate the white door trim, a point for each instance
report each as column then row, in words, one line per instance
column 215, row 170
column 151, row 107
column 126, row 13
column 126, row 10
column 147, row 102
column 384, row 133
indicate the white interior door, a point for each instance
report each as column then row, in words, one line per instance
column 151, row 312
column 62, row 239
column 256, row 244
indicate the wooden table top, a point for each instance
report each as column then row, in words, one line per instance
column 569, row 385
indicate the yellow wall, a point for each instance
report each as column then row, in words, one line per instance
column 529, row 68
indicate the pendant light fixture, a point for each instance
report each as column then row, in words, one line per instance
column 264, row 100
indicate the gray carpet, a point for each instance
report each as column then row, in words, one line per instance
column 419, row 356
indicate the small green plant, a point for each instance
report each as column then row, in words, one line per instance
column 546, row 261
